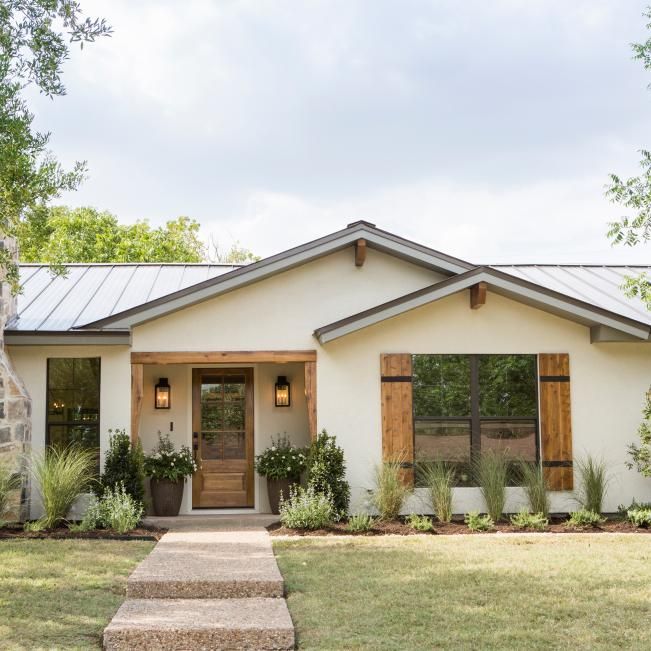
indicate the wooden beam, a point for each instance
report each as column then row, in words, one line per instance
column 310, row 397
column 477, row 295
column 224, row 357
column 137, row 394
column 360, row 252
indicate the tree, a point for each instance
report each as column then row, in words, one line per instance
column 35, row 38
column 641, row 454
column 61, row 235
column 237, row 254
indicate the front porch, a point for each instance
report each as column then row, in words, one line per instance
column 222, row 405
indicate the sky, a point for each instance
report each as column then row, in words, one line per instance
column 483, row 129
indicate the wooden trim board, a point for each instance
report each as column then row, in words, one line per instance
column 224, row 357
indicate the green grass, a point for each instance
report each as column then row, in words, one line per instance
column 60, row 594
column 469, row 592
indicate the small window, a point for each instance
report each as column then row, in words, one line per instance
column 467, row 404
column 73, row 387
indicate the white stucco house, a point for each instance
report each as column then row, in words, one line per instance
column 389, row 345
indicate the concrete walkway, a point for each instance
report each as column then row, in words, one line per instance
column 211, row 582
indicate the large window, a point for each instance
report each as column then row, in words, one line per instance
column 73, row 401
column 467, row 404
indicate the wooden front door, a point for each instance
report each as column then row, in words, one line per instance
column 222, row 437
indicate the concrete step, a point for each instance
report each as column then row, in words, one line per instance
column 208, row 565
column 182, row 624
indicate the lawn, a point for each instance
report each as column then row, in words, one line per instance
column 469, row 592
column 60, row 594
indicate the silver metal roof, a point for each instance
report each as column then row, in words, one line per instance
column 600, row 285
column 93, row 291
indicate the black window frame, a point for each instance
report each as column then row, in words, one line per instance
column 475, row 419
column 74, row 423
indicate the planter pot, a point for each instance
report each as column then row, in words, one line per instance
column 166, row 496
column 274, row 487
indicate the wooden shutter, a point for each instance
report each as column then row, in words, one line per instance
column 556, row 420
column 397, row 416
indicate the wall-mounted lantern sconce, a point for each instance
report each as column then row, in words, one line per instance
column 162, row 394
column 282, row 392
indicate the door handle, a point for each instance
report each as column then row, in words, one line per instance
column 195, row 444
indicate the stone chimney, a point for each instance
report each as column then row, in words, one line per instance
column 15, row 405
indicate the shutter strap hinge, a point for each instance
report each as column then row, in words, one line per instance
column 557, row 464
column 396, row 378
column 554, row 378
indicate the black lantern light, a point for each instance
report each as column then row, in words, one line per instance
column 282, row 392
column 162, row 394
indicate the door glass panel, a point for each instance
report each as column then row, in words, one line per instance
column 234, row 445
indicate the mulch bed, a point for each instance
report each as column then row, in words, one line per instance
column 399, row 528
column 14, row 531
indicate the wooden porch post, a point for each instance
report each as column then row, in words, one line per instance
column 137, row 392
column 310, row 396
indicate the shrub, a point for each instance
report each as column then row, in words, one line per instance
column 326, row 471
column 594, row 480
column 306, row 509
column 390, row 492
column 281, row 460
column 419, row 522
column 492, row 474
column 116, row 510
column 439, row 478
column 360, row 522
column 124, row 465
column 61, row 476
column 535, row 487
column 478, row 522
column 640, row 516
column 526, row 520
column 9, row 482
column 584, row 518
column 166, row 463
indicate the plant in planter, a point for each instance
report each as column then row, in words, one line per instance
column 282, row 464
column 168, row 470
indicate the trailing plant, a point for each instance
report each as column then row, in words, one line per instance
column 281, row 460
column 165, row 462
column 640, row 516
column 535, row 487
column 124, row 465
column 61, row 475
column 584, row 518
column 115, row 510
column 492, row 471
column 326, row 471
column 360, row 522
column 306, row 508
column 641, row 454
column 523, row 519
column 390, row 491
column 419, row 522
column 439, row 478
column 477, row 522
column 9, row 482
column 593, row 483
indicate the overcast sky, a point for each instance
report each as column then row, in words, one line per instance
column 484, row 129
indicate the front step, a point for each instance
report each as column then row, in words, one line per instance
column 182, row 624
column 208, row 566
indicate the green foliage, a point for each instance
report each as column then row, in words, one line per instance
column 33, row 49
column 9, row 483
column 523, row 519
column 640, row 516
column 389, row 492
column 306, row 508
column 61, row 475
column 439, row 478
column 360, row 522
column 326, row 471
column 584, row 518
column 419, row 522
column 593, row 483
column 115, row 510
column 641, row 454
column 535, row 487
column 492, row 474
column 281, row 460
column 237, row 254
column 124, row 465
column 477, row 522
column 60, row 235
column 166, row 463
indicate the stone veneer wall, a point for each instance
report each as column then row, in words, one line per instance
column 15, row 410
